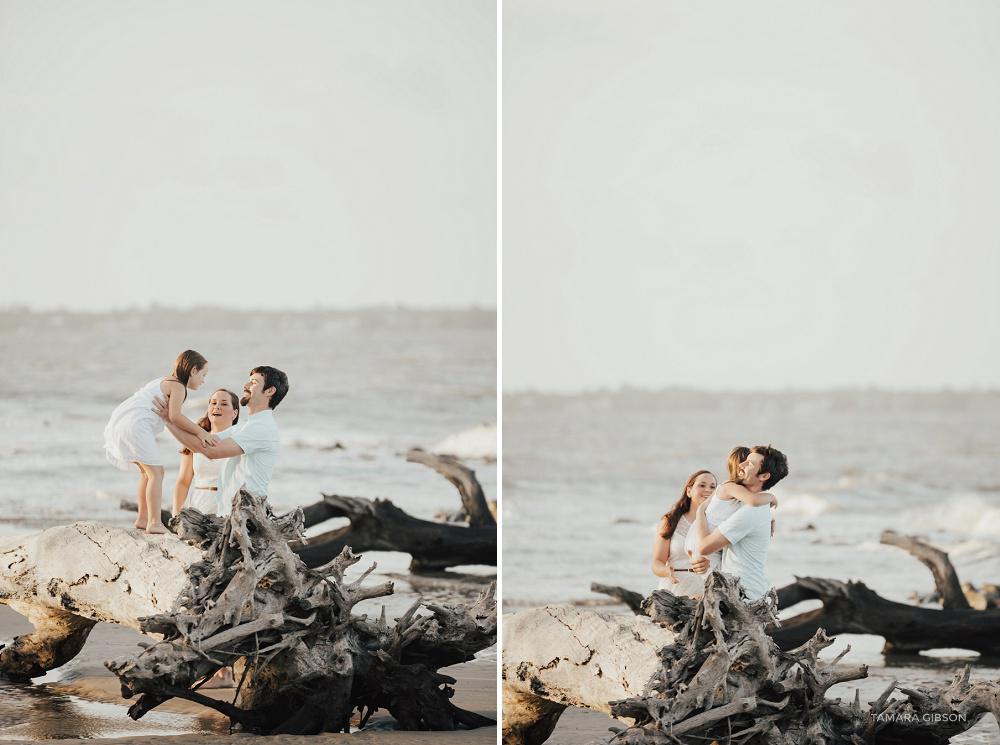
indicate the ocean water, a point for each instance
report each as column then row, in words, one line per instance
column 365, row 387
column 586, row 478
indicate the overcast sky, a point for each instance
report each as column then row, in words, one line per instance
column 760, row 195
column 248, row 153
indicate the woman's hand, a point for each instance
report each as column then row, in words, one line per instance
column 671, row 577
column 700, row 564
column 209, row 440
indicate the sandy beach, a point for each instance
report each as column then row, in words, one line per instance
column 82, row 701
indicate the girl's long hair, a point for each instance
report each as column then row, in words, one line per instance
column 740, row 453
column 206, row 423
column 670, row 520
column 186, row 362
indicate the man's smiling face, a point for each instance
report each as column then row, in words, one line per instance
column 253, row 391
column 750, row 470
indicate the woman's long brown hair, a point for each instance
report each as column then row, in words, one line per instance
column 683, row 505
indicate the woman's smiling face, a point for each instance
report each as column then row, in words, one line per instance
column 703, row 486
column 221, row 411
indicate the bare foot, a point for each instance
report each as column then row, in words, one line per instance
column 222, row 679
column 140, row 525
column 156, row 529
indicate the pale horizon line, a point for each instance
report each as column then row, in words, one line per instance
column 627, row 388
column 157, row 307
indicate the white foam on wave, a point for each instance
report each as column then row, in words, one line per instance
column 804, row 505
column 961, row 514
column 975, row 550
column 478, row 442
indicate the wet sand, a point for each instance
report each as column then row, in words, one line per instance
column 82, row 701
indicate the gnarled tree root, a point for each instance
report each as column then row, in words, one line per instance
column 309, row 661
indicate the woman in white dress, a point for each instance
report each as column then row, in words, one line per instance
column 223, row 412
column 671, row 562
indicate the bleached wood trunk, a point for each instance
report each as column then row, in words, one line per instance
column 560, row 656
column 67, row 578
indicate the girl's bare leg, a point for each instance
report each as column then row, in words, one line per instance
column 154, row 498
column 140, row 522
column 179, row 500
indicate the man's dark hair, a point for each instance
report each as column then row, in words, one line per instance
column 273, row 378
column 775, row 463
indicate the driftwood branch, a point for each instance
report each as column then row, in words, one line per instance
column 717, row 676
column 632, row 599
column 945, row 576
column 309, row 661
column 464, row 479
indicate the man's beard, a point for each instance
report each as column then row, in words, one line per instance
column 245, row 400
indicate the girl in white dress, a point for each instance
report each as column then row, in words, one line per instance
column 719, row 509
column 130, row 436
column 223, row 412
column 671, row 562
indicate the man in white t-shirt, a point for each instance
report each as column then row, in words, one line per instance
column 251, row 447
column 746, row 534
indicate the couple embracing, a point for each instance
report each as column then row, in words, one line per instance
column 732, row 518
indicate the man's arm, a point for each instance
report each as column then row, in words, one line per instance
column 707, row 543
column 225, row 449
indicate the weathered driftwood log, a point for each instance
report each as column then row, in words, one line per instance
column 719, row 677
column 560, row 656
column 67, row 578
column 309, row 661
column 852, row 608
column 378, row 525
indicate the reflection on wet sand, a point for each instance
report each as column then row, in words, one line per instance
column 40, row 712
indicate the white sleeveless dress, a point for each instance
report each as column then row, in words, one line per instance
column 717, row 512
column 205, row 486
column 130, row 436
column 689, row 583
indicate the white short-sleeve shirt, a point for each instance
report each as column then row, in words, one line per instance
column 748, row 531
column 259, row 438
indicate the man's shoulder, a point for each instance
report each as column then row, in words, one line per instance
column 261, row 426
column 750, row 514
